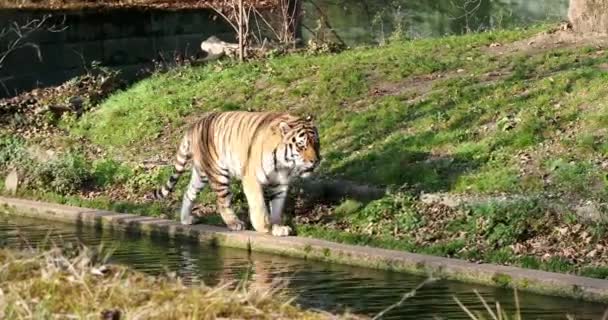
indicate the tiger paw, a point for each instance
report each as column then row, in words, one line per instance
column 236, row 225
column 281, row 231
column 148, row 197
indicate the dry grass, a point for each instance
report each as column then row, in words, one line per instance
column 55, row 285
column 499, row 313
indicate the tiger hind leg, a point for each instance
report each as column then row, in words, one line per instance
column 224, row 201
column 197, row 183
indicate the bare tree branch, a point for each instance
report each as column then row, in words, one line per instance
column 325, row 21
column 16, row 35
column 467, row 11
column 288, row 14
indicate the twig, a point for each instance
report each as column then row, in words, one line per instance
column 485, row 304
column 517, row 307
column 467, row 12
column 326, row 22
column 219, row 11
column 404, row 298
column 258, row 13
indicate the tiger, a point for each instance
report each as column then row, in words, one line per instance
column 266, row 151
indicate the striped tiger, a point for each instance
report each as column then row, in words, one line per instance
column 265, row 150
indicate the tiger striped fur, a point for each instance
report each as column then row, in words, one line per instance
column 265, row 150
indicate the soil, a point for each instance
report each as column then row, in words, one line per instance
column 559, row 38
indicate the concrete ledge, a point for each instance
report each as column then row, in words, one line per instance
column 445, row 268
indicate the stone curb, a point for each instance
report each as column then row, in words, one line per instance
column 444, row 268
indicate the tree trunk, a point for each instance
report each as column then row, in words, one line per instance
column 241, row 31
column 295, row 20
column 589, row 16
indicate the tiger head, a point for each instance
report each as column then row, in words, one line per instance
column 300, row 147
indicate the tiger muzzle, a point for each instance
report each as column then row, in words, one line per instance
column 310, row 167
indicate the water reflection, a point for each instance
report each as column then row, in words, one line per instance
column 317, row 285
column 373, row 21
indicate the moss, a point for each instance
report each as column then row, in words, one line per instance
column 502, row 280
column 524, row 283
column 307, row 249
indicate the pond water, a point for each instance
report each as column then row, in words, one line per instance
column 319, row 285
column 373, row 21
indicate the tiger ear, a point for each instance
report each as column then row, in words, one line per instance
column 309, row 118
column 284, row 128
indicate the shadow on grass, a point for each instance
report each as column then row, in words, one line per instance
column 399, row 163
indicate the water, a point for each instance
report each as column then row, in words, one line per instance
column 373, row 21
column 317, row 285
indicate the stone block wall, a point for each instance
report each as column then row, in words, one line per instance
column 127, row 39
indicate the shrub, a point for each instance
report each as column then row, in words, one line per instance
column 505, row 223
column 63, row 175
column 12, row 151
column 108, row 172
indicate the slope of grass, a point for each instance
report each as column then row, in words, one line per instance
column 446, row 115
column 458, row 133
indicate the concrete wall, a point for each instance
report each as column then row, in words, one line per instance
column 127, row 39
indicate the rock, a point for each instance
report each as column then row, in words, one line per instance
column 40, row 154
column 216, row 48
column 589, row 212
column 451, row 201
column 77, row 103
column 11, row 183
column 114, row 314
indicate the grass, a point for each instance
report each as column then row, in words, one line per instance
column 44, row 284
column 437, row 143
column 433, row 115
column 319, row 84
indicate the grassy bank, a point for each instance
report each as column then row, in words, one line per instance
column 66, row 285
column 519, row 113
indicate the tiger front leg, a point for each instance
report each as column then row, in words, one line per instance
column 278, row 197
column 258, row 214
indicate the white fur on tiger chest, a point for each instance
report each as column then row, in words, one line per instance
column 273, row 177
column 268, row 174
